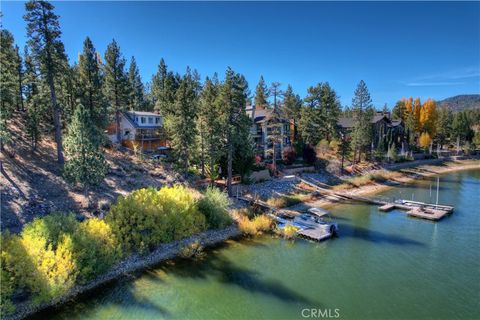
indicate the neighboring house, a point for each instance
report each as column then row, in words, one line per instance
column 381, row 125
column 262, row 128
column 139, row 128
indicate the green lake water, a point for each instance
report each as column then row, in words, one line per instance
column 382, row 266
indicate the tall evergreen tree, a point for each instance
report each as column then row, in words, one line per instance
column 235, row 122
column 85, row 164
column 362, row 114
column 8, row 83
column 261, row 94
column 319, row 116
column 164, row 85
column 137, row 93
column 90, row 80
column 43, row 31
column 209, row 126
column 20, row 72
column 292, row 107
column 444, row 126
column 115, row 83
column 34, row 100
column 181, row 123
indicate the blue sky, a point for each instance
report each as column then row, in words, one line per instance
column 425, row 49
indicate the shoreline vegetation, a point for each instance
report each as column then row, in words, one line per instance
column 213, row 205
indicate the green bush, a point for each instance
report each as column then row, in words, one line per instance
column 96, row 248
column 148, row 217
column 213, row 205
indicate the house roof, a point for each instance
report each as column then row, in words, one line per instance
column 347, row 122
column 130, row 116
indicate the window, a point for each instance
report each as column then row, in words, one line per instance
column 142, row 120
column 157, row 120
column 150, row 120
column 136, row 119
column 127, row 133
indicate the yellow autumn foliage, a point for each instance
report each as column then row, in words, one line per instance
column 425, row 140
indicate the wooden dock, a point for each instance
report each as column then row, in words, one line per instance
column 429, row 214
column 318, row 233
column 387, row 207
column 429, row 211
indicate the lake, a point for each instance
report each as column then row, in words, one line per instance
column 382, row 266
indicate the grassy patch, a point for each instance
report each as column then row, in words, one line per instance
column 288, row 200
column 255, row 226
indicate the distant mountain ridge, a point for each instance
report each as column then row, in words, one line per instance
column 461, row 102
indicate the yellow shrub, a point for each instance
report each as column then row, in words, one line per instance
column 96, row 248
column 255, row 226
column 289, row 231
column 263, row 223
column 148, row 217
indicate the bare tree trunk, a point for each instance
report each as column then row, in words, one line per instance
column 117, row 122
column 229, row 166
column 56, row 120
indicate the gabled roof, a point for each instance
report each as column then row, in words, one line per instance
column 130, row 116
column 347, row 122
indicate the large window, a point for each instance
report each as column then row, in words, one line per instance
column 142, row 120
column 150, row 120
column 157, row 120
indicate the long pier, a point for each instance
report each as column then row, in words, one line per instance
column 428, row 211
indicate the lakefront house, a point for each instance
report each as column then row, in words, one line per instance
column 382, row 125
column 262, row 128
column 139, row 129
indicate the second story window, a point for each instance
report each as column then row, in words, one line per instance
column 157, row 120
column 150, row 120
column 142, row 120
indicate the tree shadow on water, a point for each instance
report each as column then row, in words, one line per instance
column 376, row 236
column 120, row 293
column 225, row 271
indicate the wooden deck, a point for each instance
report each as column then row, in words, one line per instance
column 429, row 214
column 387, row 207
column 318, row 233
column 429, row 211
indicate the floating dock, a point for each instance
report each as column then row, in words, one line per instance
column 429, row 211
column 318, row 233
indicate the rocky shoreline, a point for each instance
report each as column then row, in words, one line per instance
column 131, row 264
column 212, row 237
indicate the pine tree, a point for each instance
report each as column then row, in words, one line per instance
column 318, row 119
column 164, row 85
column 444, row 125
column 116, row 83
column 398, row 111
column 8, row 83
column 235, row 122
column 20, row 74
column 363, row 112
column 43, row 31
column 181, row 123
column 137, row 93
column 292, row 107
column 209, row 126
column 261, row 94
column 34, row 100
column 85, row 161
column 90, row 80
